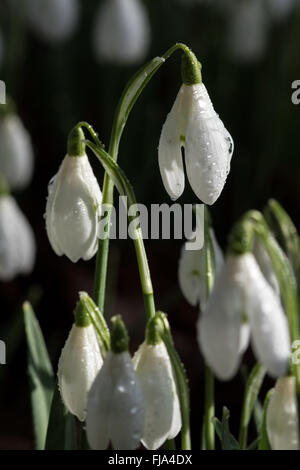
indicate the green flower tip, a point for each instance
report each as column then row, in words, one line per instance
column 241, row 237
column 190, row 69
column 76, row 146
column 82, row 318
column 153, row 331
column 119, row 336
column 4, row 188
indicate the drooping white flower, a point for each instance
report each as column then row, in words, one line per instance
column 17, row 244
column 16, row 152
column 73, row 209
column 192, row 272
column 282, row 416
column 53, row 20
column 162, row 410
column 208, row 146
column 242, row 301
column 248, row 31
column 121, row 32
column 79, row 364
column 115, row 409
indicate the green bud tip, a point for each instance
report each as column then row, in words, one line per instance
column 4, row 188
column 190, row 69
column 119, row 336
column 76, row 146
column 241, row 237
column 82, row 318
column 153, row 331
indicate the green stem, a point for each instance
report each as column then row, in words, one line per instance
column 209, row 405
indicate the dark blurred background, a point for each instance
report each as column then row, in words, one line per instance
column 56, row 84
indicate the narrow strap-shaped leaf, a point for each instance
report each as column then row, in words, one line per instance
column 253, row 386
column 40, row 375
column 228, row 441
column 61, row 432
column 264, row 443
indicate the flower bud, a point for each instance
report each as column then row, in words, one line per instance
column 115, row 410
column 282, row 416
column 73, row 209
column 79, row 364
column 121, row 32
column 208, row 147
column 17, row 244
column 162, row 410
column 265, row 264
column 53, row 20
column 16, row 153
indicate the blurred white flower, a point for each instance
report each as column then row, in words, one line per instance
column 17, row 244
column 248, row 31
column 73, row 209
column 53, row 20
column 282, row 416
column 115, row 410
column 79, row 364
column 16, row 152
column 192, row 272
column 121, row 32
column 162, row 410
column 208, row 146
column 242, row 301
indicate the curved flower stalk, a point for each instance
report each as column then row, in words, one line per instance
column 53, row 20
column 17, row 243
column 192, row 272
column 115, row 410
column 154, row 370
column 74, row 205
column 16, row 152
column 243, row 302
column 194, row 125
column 282, row 417
column 121, row 32
column 79, row 363
column 248, row 31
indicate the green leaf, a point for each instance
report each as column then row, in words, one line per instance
column 264, row 443
column 40, row 375
column 228, row 441
column 253, row 386
column 61, row 432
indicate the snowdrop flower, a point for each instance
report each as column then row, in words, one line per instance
column 53, row 20
column 115, row 410
column 282, row 416
column 17, row 244
column 248, row 31
column 16, row 152
column 243, row 302
column 121, row 32
column 192, row 272
column 79, row 363
column 194, row 125
column 154, row 370
column 74, row 205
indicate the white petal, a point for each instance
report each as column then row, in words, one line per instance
column 121, row 31
column 269, row 326
column 162, row 411
column 208, row 148
column 73, row 210
column 17, row 244
column 220, row 333
column 170, row 143
column 16, row 153
column 115, row 405
column 280, row 9
column 265, row 264
column 282, row 416
column 53, row 20
column 79, row 363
